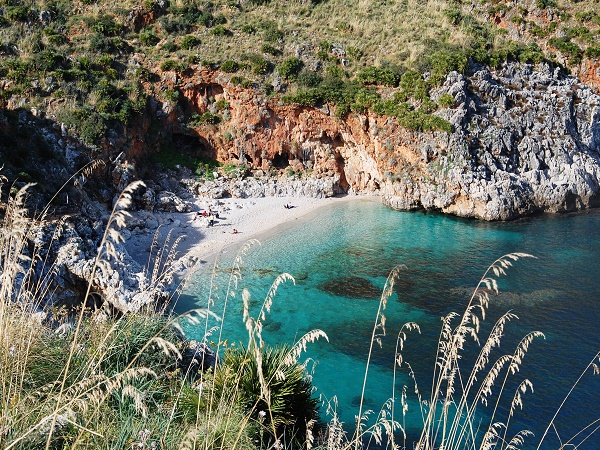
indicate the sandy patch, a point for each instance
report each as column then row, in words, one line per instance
column 251, row 218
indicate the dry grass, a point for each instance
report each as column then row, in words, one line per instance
column 97, row 382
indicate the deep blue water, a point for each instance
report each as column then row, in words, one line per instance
column 341, row 258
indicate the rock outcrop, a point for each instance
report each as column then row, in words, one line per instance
column 118, row 283
column 526, row 139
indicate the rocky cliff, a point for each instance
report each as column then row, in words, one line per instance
column 525, row 139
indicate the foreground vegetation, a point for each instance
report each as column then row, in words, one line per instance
column 89, row 379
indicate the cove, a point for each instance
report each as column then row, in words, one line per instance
column 340, row 258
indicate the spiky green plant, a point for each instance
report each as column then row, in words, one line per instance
column 290, row 406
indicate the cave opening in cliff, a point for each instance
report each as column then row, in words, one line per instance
column 281, row 160
column 194, row 146
column 341, row 163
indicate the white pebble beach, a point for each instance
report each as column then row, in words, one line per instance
column 252, row 218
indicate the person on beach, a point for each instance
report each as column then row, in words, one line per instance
column 234, row 231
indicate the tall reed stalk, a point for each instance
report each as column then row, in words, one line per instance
column 102, row 382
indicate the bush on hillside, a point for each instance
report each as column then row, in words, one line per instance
column 204, row 118
column 290, row 68
column 378, row 75
column 189, row 42
column 220, row 30
column 565, row 46
column 444, row 62
column 148, row 37
column 230, row 66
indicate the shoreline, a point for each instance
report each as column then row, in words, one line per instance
column 253, row 218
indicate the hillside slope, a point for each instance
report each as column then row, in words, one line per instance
column 467, row 108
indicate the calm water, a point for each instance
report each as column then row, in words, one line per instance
column 341, row 258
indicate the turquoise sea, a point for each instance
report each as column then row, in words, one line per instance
column 340, row 258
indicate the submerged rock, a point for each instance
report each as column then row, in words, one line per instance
column 351, row 287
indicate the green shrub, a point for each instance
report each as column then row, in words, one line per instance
column 221, row 104
column 531, row 54
column 104, row 61
column 248, row 29
column 189, row 42
column 268, row 48
column 290, row 68
column 309, row 97
column 47, row 60
column 220, row 30
column 543, row 4
column 169, row 46
column 565, row 46
column 206, row 19
column 171, row 95
column 219, row 19
column 593, row 52
column 204, row 118
column 378, row 75
column 446, row 101
column 86, row 122
column 105, row 25
column 99, row 43
column 148, row 37
column 454, row 15
column 581, row 32
column 363, row 100
column 17, row 70
column 53, row 36
column 444, row 62
column 180, row 20
column 585, row 16
column 272, row 33
column 420, row 121
column 143, row 74
column 538, row 31
column 413, row 85
column 236, row 79
column 259, row 65
column 230, row 66
column 342, row 110
column 56, row 39
column 18, row 13
column 172, row 65
column 309, row 79
column 354, row 52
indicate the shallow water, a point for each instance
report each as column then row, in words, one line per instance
column 341, row 258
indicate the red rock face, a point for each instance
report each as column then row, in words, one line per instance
column 590, row 73
column 361, row 150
